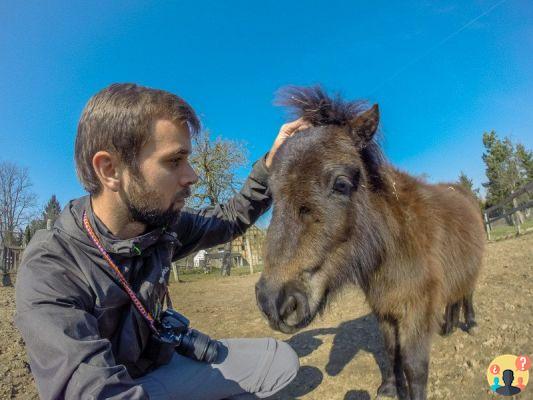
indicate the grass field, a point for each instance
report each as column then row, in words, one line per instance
column 506, row 231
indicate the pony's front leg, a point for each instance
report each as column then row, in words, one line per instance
column 415, row 349
column 393, row 382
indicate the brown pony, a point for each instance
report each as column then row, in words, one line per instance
column 343, row 215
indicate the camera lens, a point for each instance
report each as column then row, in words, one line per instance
column 198, row 346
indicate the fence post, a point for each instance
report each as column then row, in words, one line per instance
column 487, row 225
column 2, row 265
column 517, row 217
column 249, row 253
column 175, row 272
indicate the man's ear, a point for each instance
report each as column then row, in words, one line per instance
column 107, row 168
column 365, row 125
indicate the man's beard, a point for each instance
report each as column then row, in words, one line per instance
column 140, row 202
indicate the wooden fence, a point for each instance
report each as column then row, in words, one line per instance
column 10, row 257
column 512, row 216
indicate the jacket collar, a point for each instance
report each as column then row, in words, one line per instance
column 113, row 245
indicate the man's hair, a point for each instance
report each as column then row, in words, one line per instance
column 120, row 119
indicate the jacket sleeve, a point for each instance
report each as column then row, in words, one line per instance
column 68, row 358
column 208, row 227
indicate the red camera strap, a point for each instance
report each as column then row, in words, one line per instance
column 147, row 316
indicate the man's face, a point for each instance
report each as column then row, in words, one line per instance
column 156, row 193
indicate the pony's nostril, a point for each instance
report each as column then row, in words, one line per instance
column 288, row 307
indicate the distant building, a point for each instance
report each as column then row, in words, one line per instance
column 198, row 258
column 250, row 245
column 245, row 250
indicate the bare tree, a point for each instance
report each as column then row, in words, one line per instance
column 17, row 202
column 216, row 163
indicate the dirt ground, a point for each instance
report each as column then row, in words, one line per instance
column 342, row 352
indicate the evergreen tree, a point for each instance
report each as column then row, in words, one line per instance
column 507, row 167
column 51, row 211
column 525, row 160
column 468, row 185
column 32, row 227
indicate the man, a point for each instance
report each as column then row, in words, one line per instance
column 84, row 335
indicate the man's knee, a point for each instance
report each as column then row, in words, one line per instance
column 288, row 361
column 282, row 371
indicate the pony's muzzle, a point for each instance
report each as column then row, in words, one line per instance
column 285, row 308
column 266, row 301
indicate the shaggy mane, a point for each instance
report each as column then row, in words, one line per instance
column 315, row 106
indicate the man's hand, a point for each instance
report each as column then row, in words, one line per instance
column 287, row 130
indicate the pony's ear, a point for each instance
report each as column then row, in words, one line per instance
column 365, row 125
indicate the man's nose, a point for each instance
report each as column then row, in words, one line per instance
column 190, row 177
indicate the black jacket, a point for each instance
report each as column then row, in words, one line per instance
column 83, row 336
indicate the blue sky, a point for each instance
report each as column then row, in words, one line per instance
column 443, row 72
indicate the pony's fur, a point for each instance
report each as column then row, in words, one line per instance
column 343, row 214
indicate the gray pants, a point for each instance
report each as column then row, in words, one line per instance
column 245, row 369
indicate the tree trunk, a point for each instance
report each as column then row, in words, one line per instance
column 4, row 267
column 518, row 219
column 205, row 265
column 249, row 254
column 226, row 260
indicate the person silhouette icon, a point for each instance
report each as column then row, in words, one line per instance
column 508, row 389
column 496, row 384
column 520, row 383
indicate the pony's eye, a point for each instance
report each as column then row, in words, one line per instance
column 312, row 270
column 304, row 210
column 343, row 185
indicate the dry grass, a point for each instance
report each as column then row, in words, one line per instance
column 341, row 353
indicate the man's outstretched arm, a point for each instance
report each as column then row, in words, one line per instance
column 208, row 227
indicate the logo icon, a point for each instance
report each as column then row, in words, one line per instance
column 508, row 375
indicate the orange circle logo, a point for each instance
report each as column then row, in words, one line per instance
column 508, row 375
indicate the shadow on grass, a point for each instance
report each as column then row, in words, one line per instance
column 357, row 395
column 350, row 337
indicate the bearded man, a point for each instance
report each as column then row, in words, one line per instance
column 90, row 291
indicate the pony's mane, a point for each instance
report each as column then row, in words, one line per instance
column 315, row 106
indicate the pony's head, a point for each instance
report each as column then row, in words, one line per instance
column 321, row 234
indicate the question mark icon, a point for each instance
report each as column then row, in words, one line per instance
column 523, row 363
column 495, row 369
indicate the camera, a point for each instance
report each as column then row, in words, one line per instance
column 174, row 329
